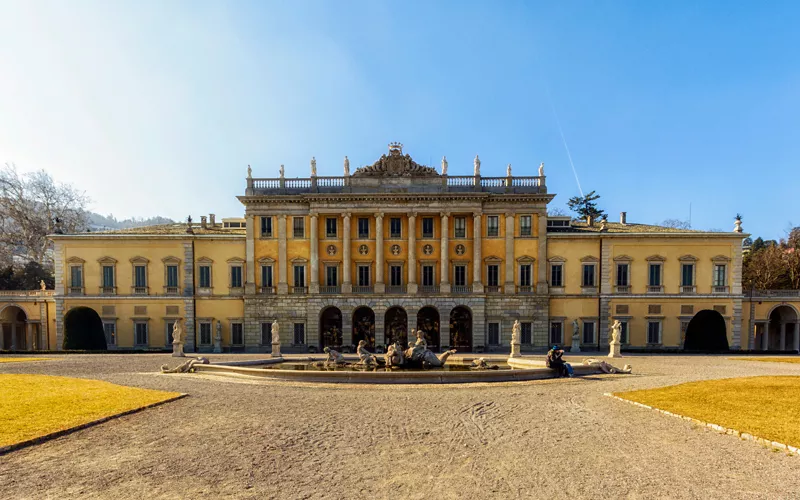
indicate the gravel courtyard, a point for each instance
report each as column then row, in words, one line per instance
column 255, row 439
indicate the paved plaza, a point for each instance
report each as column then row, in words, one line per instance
column 244, row 438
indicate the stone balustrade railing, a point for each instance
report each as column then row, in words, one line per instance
column 776, row 293
column 27, row 293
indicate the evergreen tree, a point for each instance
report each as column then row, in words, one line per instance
column 585, row 206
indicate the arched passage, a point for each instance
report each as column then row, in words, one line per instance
column 83, row 329
column 330, row 328
column 13, row 324
column 428, row 324
column 395, row 326
column 461, row 328
column 706, row 332
column 364, row 326
column 781, row 330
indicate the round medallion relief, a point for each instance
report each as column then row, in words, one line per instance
column 395, row 249
column 363, row 249
column 427, row 249
column 331, row 249
column 460, row 249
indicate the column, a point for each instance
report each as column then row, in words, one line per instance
column 765, row 337
column 283, row 284
column 314, row 283
column 477, row 239
column 2, row 336
column 509, row 283
column 783, row 336
column 29, row 342
column 250, row 250
column 347, row 285
column 380, row 286
column 412, row 254
column 13, row 346
column 796, row 346
column 444, row 272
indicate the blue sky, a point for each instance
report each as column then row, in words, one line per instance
column 156, row 108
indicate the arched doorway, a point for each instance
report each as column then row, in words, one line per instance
column 428, row 324
column 83, row 329
column 706, row 332
column 13, row 324
column 461, row 328
column 781, row 330
column 364, row 326
column 395, row 326
column 330, row 328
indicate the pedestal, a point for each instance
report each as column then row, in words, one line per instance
column 177, row 350
column 217, row 345
column 576, row 345
column 515, row 348
column 614, row 350
column 276, row 350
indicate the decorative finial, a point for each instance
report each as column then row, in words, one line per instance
column 346, row 167
column 395, row 148
column 313, row 167
column 508, row 170
column 58, row 229
column 541, row 169
column 604, row 224
column 737, row 224
column 249, row 172
column 281, row 171
column 189, row 225
column 477, row 164
column 444, row 165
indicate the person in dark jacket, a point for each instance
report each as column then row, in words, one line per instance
column 555, row 362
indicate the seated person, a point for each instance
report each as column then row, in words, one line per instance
column 555, row 362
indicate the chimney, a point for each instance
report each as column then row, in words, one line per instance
column 212, row 218
column 203, row 222
column 623, row 218
column 590, row 220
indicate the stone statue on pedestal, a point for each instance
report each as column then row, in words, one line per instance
column 541, row 169
column 276, row 339
column 249, row 172
column 218, row 338
column 576, row 337
column 177, row 340
column 508, row 170
column 444, row 165
column 516, row 335
column 477, row 165
column 346, row 167
column 313, row 167
column 42, row 285
column 616, row 337
column 281, row 172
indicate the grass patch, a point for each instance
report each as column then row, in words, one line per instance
column 33, row 406
column 762, row 406
column 21, row 360
column 770, row 360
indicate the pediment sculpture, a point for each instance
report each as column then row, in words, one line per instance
column 396, row 164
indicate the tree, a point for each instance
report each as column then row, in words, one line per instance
column 765, row 269
column 30, row 276
column 791, row 257
column 8, row 281
column 556, row 212
column 585, row 206
column 758, row 244
column 676, row 223
column 29, row 206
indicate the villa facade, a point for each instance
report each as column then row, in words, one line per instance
column 395, row 246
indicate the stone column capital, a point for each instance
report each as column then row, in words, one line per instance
column 347, row 215
column 282, row 216
column 379, row 215
column 444, row 215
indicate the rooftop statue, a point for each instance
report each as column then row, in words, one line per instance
column 281, row 171
column 313, row 167
column 346, row 167
column 541, row 169
column 444, row 165
column 477, row 164
column 508, row 170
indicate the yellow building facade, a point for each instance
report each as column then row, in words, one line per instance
column 396, row 246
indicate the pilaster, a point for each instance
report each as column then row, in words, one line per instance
column 444, row 272
column 541, row 280
column 736, row 328
column 250, row 250
column 477, row 239
column 347, row 285
column 412, row 254
column 508, row 287
column 380, row 286
column 314, row 282
column 283, row 284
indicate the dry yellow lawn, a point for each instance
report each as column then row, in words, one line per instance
column 32, row 406
column 766, row 407
column 19, row 360
column 770, row 360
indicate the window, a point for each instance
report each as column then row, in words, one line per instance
column 588, row 332
column 140, row 276
column 653, row 332
column 525, row 225
column 299, row 333
column 205, row 276
column 655, row 275
column 460, row 272
column 525, row 275
column 494, row 334
column 266, row 227
column 427, row 275
column 460, row 227
column 331, row 276
column 205, row 333
column 140, row 329
column 427, row 227
column 622, row 275
column 363, row 276
column 492, row 226
column 266, row 276
column 395, row 227
column 588, row 275
column 720, row 273
column 236, row 276
column 492, row 275
column 555, row 332
column 396, row 275
column 330, row 227
column 299, row 227
column 172, row 276
column 108, row 276
column 299, row 276
column 687, row 274
column 237, row 334
column 623, row 332
column 557, row 275
column 76, row 276
column 110, row 329
column 526, row 333
column 169, row 325
column 266, row 333
column 363, row 228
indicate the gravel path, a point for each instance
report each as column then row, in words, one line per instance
column 258, row 439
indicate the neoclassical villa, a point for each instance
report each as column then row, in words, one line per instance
column 394, row 246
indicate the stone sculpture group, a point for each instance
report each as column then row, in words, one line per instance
column 417, row 355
